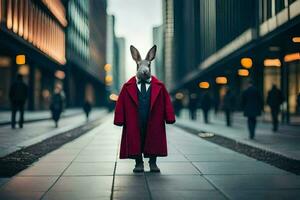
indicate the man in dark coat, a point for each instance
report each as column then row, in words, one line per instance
column 18, row 96
column 228, row 106
column 252, row 104
column 193, row 104
column 206, row 105
column 87, row 107
column 56, row 107
column 143, row 107
column 274, row 100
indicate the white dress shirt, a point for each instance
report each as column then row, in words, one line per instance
column 139, row 84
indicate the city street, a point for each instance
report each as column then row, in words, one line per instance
column 89, row 168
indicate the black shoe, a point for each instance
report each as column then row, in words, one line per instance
column 154, row 167
column 139, row 168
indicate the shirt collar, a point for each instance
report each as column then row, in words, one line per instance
column 137, row 80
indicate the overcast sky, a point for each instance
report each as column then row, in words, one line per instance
column 134, row 21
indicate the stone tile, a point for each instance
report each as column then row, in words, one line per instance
column 176, row 168
column 83, row 184
column 28, row 184
column 17, row 195
column 259, row 181
column 44, row 169
column 131, row 195
column 187, row 194
column 57, row 158
column 89, row 169
column 172, row 158
column 74, row 195
column 95, row 158
column 178, row 182
column 130, row 183
column 263, row 194
column 237, row 168
column 218, row 157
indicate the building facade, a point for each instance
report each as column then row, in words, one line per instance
column 86, row 52
column 158, row 65
column 32, row 38
column 121, row 61
column 234, row 41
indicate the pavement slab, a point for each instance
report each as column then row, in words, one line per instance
column 89, row 168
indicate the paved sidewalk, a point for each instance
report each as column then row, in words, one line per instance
column 30, row 116
column 12, row 140
column 285, row 142
column 89, row 168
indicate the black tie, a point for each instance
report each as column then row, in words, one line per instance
column 143, row 87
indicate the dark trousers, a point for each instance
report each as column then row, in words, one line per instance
column 193, row 114
column 205, row 115
column 15, row 109
column 251, row 126
column 228, row 117
column 274, row 113
column 139, row 158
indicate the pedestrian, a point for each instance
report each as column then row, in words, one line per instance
column 87, row 107
column 206, row 105
column 142, row 108
column 177, row 106
column 298, row 104
column 274, row 100
column 18, row 95
column 252, row 104
column 193, row 103
column 228, row 106
column 56, row 107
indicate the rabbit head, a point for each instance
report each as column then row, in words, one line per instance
column 143, row 66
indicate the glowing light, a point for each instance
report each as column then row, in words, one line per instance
column 60, row 74
column 23, row 70
column 292, row 57
column 222, row 80
column 5, row 61
column 108, row 79
column 246, row 62
column 113, row 97
column 272, row 62
column 204, row 85
column 243, row 72
column 179, row 95
column 107, row 67
column 296, row 39
column 20, row 59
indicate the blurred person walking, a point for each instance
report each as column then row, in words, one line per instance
column 206, row 105
column 193, row 104
column 87, row 107
column 18, row 95
column 274, row 100
column 252, row 104
column 57, row 103
column 228, row 106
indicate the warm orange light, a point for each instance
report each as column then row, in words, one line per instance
column 20, row 59
column 107, row 67
column 113, row 97
column 272, row 62
column 23, row 70
column 204, row 85
column 179, row 96
column 243, row 72
column 60, row 74
column 246, row 62
column 292, row 57
column 222, row 80
column 108, row 79
column 5, row 61
column 296, row 39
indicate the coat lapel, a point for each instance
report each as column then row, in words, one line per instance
column 132, row 90
column 155, row 88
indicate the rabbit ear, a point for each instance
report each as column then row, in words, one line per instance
column 151, row 53
column 135, row 54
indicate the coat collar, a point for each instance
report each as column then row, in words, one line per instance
column 132, row 89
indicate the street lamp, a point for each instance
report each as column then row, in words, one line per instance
column 246, row 62
column 204, row 85
column 243, row 72
column 20, row 59
column 221, row 80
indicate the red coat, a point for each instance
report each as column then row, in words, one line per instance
column 126, row 115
